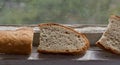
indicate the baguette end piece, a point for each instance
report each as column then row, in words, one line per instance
column 16, row 41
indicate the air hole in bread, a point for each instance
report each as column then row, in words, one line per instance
column 112, row 21
column 47, row 45
column 46, row 40
column 67, row 50
column 78, row 36
column 67, row 32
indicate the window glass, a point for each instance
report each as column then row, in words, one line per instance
column 59, row 11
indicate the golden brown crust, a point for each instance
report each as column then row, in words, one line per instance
column 115, row 17
column 71, row 53
column 107, row 49
column 80, row 51
column 16, row 41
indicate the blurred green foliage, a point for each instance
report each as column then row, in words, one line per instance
column 60, row 11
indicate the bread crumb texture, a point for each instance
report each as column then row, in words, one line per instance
column 55, row 38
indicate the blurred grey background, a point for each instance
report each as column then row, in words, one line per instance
column 59, row 11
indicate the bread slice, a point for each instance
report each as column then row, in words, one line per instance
column 110, row 39
column 16, row 41
column 55, row 38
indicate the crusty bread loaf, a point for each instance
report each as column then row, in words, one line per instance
column 110, row 39
column 16, row 41
column 55, row 38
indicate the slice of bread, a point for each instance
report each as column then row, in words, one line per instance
column 55, row 38
column 110, row 39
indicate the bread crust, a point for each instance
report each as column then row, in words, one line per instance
column 80, row 51
column 16, row 41
column 107, row 49
column 115, row 17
